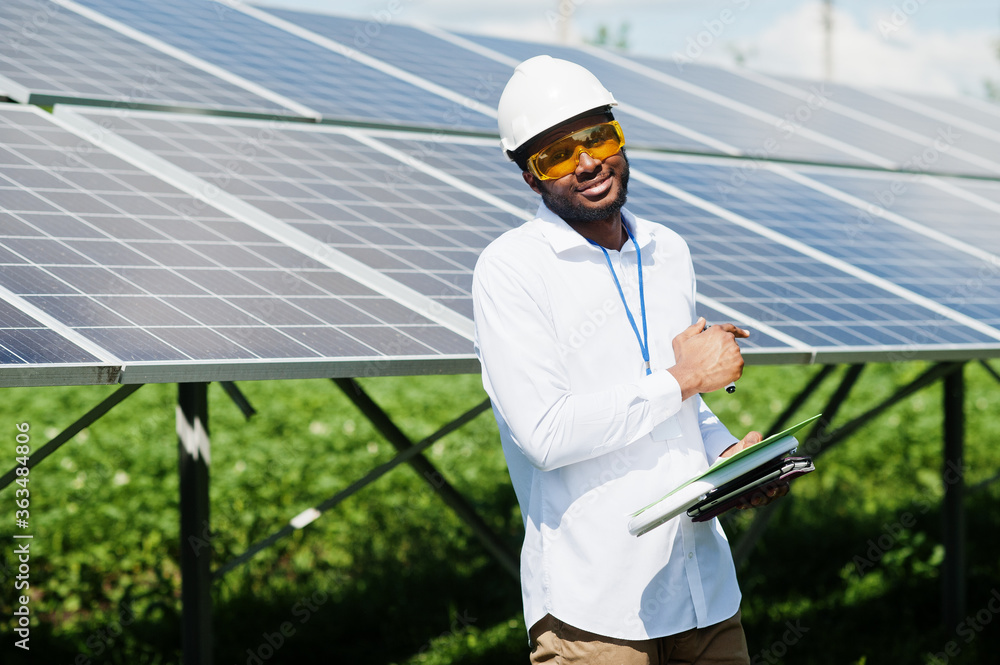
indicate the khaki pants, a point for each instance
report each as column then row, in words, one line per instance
column 559, row 643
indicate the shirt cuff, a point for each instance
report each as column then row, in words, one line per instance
column 663, row 393
column 716, row 444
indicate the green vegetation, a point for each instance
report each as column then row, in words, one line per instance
column 392, row 576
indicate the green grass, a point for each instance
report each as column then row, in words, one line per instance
column 392, row 576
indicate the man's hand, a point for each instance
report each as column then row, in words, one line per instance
column 767, row 493
column 707, row 359
column 750, row 439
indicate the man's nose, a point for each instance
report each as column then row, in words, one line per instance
column 587, row 163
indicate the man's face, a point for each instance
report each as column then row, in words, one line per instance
column 596, row 190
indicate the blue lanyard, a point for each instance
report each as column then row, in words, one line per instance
column 644, row 338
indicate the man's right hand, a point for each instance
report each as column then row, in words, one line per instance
column 707, row 359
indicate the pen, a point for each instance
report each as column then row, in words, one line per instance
column 731, row 388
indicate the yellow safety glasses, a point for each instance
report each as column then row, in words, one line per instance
column 561, row 157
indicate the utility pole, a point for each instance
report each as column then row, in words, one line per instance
column 827, row 40
column 564, row 10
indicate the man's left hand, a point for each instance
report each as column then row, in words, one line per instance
column 769, row 492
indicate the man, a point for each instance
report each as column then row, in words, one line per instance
column 594, row 367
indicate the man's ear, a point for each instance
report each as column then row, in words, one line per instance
column 532, row 181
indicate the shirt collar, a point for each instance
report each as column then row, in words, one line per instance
column 564, row 237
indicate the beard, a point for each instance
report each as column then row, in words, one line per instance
column 574, row 212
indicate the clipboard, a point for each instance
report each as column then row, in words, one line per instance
column 725, row 470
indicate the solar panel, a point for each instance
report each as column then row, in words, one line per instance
column 985, row 189
column 897, row 254
column 984, row 114
column 26, row 341
column 49, row 53
column 816, row 106
column 321, row 79
column 412, row 50
column 806, row 302
column 480, row 78
column 820, row 107
column 797, row 112
column 153, row 276
column 730, row 128
column 354, row 198
column 932, row 202
column 953, row 151
column 803, row 303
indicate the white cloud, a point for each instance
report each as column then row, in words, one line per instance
column 899, row 55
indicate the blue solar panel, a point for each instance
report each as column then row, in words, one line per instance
column 953, row 150
column 987, row 189
column 814, row 110
column 413, row 50
column 748, row 134
column 150, row 274
column 25, row 341
column 54, row 53
column 408, row 225
column 918, row 199
column 763, row 279
column 496, row 176
column 793, row 293
column 983, row 113
column 334, row 85
column 887, row 250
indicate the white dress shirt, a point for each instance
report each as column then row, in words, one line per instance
column 590, row 438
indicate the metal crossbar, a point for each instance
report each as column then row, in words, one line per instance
column 110, row 402
column 449, row 494
column 368, row 478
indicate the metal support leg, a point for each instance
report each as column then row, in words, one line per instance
column 196, row 548
column 953, row 572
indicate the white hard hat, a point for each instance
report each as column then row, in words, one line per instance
column 542, row 93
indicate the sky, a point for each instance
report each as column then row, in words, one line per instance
column 944, row 47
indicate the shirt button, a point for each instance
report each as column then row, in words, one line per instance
column 690, row 555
